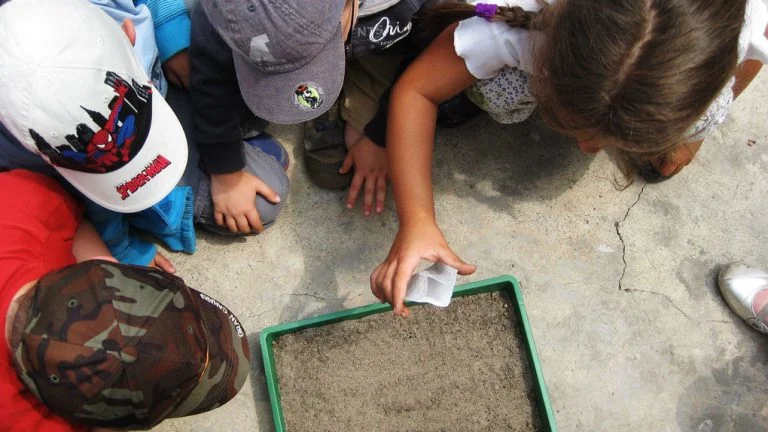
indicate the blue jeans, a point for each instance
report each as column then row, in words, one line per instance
column 258, row 163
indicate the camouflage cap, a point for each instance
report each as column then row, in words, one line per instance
column 126, row 347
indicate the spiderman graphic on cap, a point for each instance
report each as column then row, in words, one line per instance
column 116, row 140
column 112, row 142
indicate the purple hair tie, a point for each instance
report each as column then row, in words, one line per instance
column 486, row 10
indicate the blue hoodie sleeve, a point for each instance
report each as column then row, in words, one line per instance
column 172, row 26
column 116, row 232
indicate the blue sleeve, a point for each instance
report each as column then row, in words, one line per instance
column 121, row 240
column 172, row 26
column 171, row 220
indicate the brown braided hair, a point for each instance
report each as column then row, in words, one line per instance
column 440, row 16
column 635, row 74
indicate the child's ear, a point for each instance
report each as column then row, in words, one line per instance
column 129, row 30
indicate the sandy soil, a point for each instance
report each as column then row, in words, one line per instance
column 462, row 368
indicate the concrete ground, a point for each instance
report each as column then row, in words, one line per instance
column 620, row 285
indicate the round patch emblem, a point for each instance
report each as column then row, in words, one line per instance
column 308, row 96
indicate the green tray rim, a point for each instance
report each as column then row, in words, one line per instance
column 506, row 283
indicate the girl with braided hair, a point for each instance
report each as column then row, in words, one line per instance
column 646, row 78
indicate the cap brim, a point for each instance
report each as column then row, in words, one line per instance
column 272, row 96
column 229, row 359
column 149, row 176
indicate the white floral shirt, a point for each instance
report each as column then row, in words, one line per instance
column 500, row 57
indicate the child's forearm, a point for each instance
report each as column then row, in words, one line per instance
column 410, row 141
column 437, row 75
column 87, row 244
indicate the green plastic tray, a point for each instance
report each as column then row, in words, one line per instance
column 503, row 283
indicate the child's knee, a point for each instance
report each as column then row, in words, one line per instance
column 268, row 211
column 268, row 170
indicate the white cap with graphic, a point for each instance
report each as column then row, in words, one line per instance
column 72, row 90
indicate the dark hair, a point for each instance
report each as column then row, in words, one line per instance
column 440, row 16
column 635, row 73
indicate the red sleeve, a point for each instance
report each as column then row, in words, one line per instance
column 37, row 225
column 22, row 412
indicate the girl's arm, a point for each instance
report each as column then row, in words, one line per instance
column 435, row 76
column 438, row 74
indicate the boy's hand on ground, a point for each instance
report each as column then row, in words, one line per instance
column 163, row 263
column 370, row 162
column 234, row 200
column 676, row 159
column 176, row 69
column 423, row 241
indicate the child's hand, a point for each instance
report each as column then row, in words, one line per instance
column 390, row 279
column 234, row 200
column 163, row 263
column 370, row 162
column 176, row 69
column 676, row 159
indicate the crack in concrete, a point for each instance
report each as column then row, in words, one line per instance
column 632, row 290
column 621, row 237
column 315, row 296
column 254, row 316
column 624, row 259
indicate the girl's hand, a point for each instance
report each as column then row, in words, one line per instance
column 370, row 162
column 676, row 159
column 390, row 279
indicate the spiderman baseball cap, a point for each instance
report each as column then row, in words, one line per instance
column 73, row 91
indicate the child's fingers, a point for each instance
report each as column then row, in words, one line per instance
column 267, row 192
column 374, row 282
column 381, row 193
column 130, row 30
column 242, row 224
column 349, row 160
column 386, row 282
column 354, row 190
column 231, row 223
column 677, row 159
column 172, row 78
column 164, row 263
column 184, row 79
column 400, row 285
column 449, row 257
column 219, row 218
column 254, row 220
column 370, row 189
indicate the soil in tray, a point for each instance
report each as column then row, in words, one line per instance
column 462, row 368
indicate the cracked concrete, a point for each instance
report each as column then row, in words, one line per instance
column 621, row 238
column 663, row 353
column 307, row 295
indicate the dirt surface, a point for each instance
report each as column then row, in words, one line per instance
column 462, row 368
